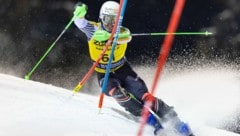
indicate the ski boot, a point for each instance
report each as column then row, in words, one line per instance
column 152, row 121
column 183, row 128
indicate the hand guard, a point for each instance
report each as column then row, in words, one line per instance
column 80, row 10
column 124, row 36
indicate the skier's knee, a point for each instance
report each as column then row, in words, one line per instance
column 118, row 93
column 111, row 85
column 126, row 101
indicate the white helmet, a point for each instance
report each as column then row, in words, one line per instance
column 108, row 13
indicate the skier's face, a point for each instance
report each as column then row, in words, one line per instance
column 108, row 22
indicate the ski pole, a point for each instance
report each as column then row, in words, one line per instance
column 105, row 35
column 206, row 33
column 27, row 77
column 165, row 49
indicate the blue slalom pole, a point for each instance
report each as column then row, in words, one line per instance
column 104, row 86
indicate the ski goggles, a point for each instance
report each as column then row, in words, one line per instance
column 108, row 19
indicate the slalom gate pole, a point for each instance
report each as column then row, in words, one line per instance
column 165, row 49
column 91, row 70
column 121, row 11
column 27, row 77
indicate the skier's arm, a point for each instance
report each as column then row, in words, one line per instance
column 83, row 24
column 86, row 26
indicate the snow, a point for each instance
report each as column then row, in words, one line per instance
column 205, row 99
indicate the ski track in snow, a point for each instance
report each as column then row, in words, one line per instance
column 29, row 108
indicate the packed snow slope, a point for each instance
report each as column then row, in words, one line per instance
column 207, row 101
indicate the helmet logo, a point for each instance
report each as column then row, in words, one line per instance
column 110, row 11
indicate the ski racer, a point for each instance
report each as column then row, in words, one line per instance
column 124, row 84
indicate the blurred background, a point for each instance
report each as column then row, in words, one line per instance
column 29, row 27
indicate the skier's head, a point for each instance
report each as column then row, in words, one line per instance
column 107, row 15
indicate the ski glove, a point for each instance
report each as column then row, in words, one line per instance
column 80, row 10
column 123, row 38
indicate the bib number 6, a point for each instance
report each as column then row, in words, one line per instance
column 105, row 58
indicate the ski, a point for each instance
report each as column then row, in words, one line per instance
column 154, row 120
column 126, row 115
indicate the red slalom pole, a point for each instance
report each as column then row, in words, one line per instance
column 100, row 102
column 165, row 49
column 168, row 40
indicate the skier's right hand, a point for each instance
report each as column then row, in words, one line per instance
column 80, row 10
